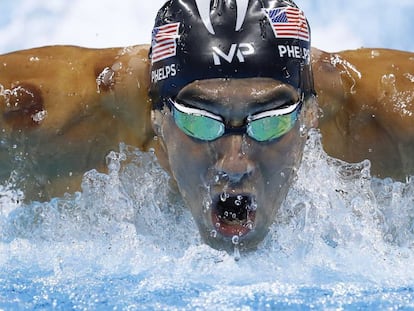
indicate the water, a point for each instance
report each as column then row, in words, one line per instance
column 343, row 240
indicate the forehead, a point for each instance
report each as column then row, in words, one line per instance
column 238, row 96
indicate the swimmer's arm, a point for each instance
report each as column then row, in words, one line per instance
column 367, row 99
column 70, row 83
column 64, row 108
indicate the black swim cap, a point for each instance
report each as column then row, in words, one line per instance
column 205, row 39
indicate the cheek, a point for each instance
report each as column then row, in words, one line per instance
column 280, row 160
column 188, row 159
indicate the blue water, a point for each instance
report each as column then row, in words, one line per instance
column 343, row 240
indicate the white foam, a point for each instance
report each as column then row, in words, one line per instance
column 337, row 225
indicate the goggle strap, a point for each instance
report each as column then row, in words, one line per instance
column 194, row 111
column 276, row 112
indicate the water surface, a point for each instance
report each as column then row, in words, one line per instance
column 126, row 242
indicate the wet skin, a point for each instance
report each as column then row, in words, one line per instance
column 234, row 185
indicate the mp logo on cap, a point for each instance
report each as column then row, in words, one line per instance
column 236, row 51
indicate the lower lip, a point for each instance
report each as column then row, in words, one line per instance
column 230, row 230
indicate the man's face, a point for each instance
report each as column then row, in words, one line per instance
column 234, row 185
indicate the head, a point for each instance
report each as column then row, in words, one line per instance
column 230, row 81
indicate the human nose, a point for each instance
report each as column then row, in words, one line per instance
column 234, row 161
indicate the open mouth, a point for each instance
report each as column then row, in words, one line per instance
column 234, row 214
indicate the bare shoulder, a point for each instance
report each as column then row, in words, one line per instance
column 367, row 96
column 66, row 107
column 64, row 81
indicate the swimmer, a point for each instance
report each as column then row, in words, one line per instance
column 232, row 94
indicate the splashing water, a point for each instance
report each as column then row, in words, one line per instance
column 341, row 240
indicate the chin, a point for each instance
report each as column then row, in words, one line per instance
column 247, row 242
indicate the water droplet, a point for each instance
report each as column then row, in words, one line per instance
column 237, row 203
column 235, row 239
column 252, row 206
column 375, row 53
column 249, row 225
column 236, row 253
column 409, row 76
column 224, row 196
column 213, row 233
column 286, row 73
column 303, row 130
column 388, row 79
column 39, row 116
column 106, row 79
column 206, row 204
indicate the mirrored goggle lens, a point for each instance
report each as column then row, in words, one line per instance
column 198, row 126
column 272, row 127
column 206, row 126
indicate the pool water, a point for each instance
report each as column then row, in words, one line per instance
column 343, row 240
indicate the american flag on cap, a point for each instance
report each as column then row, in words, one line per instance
column 164, row 42
column 289, row 22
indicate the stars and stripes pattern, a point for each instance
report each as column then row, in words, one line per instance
column 164, row 41
column 289, row 23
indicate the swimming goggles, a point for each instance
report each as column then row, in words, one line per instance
column 264, row 126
